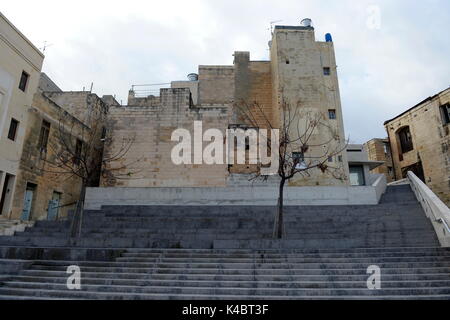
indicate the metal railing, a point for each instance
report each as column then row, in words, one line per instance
column 145, row 90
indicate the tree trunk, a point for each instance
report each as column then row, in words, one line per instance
column 279, row 224
column 75, row 229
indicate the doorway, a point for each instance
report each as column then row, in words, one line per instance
column 417, row 169
column 6, row 194
column 357, row 176
column 53, row 206
column 28, row 201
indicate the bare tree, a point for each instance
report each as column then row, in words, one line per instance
column 307, row 142
column 76, row 150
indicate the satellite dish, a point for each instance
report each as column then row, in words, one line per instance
column 306, row 22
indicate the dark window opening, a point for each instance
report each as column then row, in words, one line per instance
column 43, row 136
column 78, row 148
column 330, row 159
column 445, row 111
column 23, row 81
column 103, row 133
column 332, row 114
column 405, row 138
column 13, row 129
column 326, row 71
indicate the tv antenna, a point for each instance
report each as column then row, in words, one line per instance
column 46, row 45
column 272, row 23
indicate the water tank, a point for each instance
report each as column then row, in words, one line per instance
column 306, row 22
column 192, row 77
column 328, row 37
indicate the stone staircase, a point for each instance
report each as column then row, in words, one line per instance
column 419, row 273
column 10, row 227
column 225, row 252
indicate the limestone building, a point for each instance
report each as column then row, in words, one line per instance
column 380, row 150
column 20, row 66
column 420, row 142
column 301, row 71
column 43, row 190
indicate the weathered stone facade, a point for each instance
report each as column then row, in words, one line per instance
column 420, row 142
column 37, row 177
column 380, row 150
column 20, row 67
column 213, row 97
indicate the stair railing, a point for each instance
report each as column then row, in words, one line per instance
column 434, row 208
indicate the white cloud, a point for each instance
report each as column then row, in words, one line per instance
column 116, row 44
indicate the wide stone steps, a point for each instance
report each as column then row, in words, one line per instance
column 36, row 273
column 236, row 291
column 414, row 272
column 227, row 252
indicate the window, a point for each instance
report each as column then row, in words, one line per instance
column 78, row 148
column 23, row 81
column 385, row 148
column 330, row 159
column 390, row 170
column 326, row 71
column 332, row 114
column 297, row 157
column 405, row 138
column 287, row 61
column 445, row 111
column 13, row 129
column 43, row 136
column 340, row 158
column 103, row 133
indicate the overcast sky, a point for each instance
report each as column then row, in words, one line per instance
column 390, row 54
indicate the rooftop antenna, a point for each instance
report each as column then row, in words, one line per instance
column 271, row 25
column 46, row 45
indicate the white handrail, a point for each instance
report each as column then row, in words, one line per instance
column 434, row 208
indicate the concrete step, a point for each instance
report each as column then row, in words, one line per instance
column 233, row 284
column 231, row 291
column 66, row 294
column 231, row 277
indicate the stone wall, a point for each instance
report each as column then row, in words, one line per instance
column 216, row 84
column 37, row 167
column 379, row 150
column 148, row 161
column 431, row 143
column 34, row 170
column 298, row 78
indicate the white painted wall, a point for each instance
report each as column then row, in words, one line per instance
column 245, row 195
column 434, row 208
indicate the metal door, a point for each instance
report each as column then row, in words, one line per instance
column 27, row 205
column 53, row 206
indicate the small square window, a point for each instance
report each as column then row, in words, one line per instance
column 332, row 114
column 298, row 157
column 330, row 159
column 326, row 71
column 340, row 158
column 13, row 129
column 23, row 81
